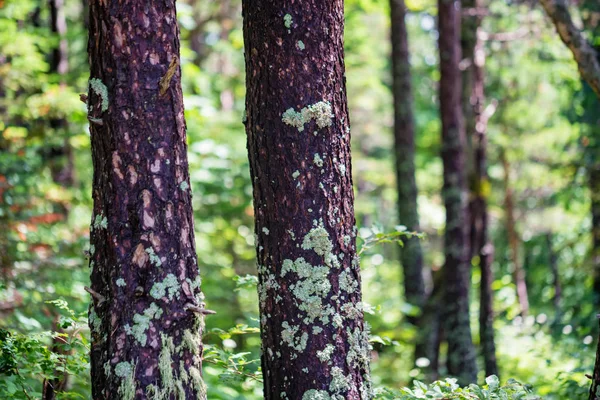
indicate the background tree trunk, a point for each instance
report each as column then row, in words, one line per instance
column 513, row 238
column 64, row 172
column 404, row 150
column 315, row 343
column 145, row 317
column 473, row 54
column 461, row 353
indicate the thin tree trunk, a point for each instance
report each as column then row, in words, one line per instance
column 584, row 53
column 146, row 311
column 595, row 386
column 64, row 172
column 513, row 238
column 461, row 353
column 315, row 343
column 594, row 182
column 404, row 150
column 552, row 261
column 476, row 127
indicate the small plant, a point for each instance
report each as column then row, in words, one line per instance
column 448, row 390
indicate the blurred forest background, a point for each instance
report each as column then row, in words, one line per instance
column 542, row 145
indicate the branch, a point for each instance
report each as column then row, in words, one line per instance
column 583, row 52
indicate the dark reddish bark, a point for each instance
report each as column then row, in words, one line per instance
column 146, row 311
column 461, row 353
column 513, row 238
column 404, row 150
column 313, row 334
column 473, row 54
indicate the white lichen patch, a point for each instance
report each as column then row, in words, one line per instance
column 313, row 394
column 339, row 382
column 325, row 354
column 100, row 222
column 184, row 186
column 287, row 21
column 295, row 174
column 126, row 371
column 347, row 282
column 317, row 160
column 154, row 258
column 168, row 287
column 121, row 282
column 320, row 112
column 291, row 337
column 141, row 323
column 300, row 45
column 101, row 90
column 265, row 230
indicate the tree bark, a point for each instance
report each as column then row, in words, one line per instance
column 411, row 254
column 513, row 238
column 595, row 386
column 473, row 54
column 461, row 353
column 146, row 310
column 594, row 182
column 315, row 343
column 585, row 55
column 63, row 172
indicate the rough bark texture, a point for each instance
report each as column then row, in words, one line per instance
column 313, row 335
column 411, row 254
column 513, row 238
column 461, row 353
column 583, row 52
column 473, row 54
column 145, row 315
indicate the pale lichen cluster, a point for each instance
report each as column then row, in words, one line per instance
column 320, row 112
column 172, row 380
column 101, row 90
column 312, row 291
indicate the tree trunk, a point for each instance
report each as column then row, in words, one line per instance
column 594, row 393
column 404, row 149
column 583, row 52
column 553, row 262
column 63, row 171
column 513, row 238
column 461, row 353
column 146, row 314
column 476, row 127
column 594, row 182
column 315, row 343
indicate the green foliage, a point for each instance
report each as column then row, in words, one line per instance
column 449, row 389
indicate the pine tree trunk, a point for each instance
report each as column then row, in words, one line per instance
column 64, row 172
column 513, row 239
column 314, row 338
column 404, row 149
column 461, row 353
column 473, row 53
column 146, row 311
column 594, row 182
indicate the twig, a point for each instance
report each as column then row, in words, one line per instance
column 198, row 310
column 99, row 299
